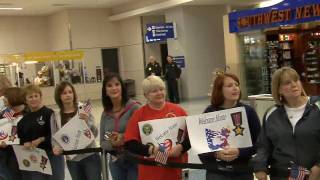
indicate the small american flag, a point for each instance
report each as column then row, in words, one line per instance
column 298, row 173
column 8, row 113
column 162, row 155
column 87, row 107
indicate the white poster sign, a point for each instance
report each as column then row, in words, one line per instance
column 8, row 131
column 32, row 160
column 74, row 135
column 211, row 132
column 167, row 132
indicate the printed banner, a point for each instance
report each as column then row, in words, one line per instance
column 167, row 132
column 8, row 131
column 74, row 135
column 287, row 12
column 32, row 160
column 211, row 132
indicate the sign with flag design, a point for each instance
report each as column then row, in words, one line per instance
column 166, row 132
column 162, row 155
column 8, row 130
column 8, row 113
column 32, row 160
column 213, row 131
column 85, row 107
column 298, row 172
column 74, row 135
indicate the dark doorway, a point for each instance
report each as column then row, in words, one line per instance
column 110, row 60
column 164, row 54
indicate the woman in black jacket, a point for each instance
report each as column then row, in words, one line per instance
column 289, row 143
column 230, row 163
column 34, row 132
column 14, row 100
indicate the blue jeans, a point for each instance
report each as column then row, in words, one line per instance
column 57, row 166
column 123, row 170
column 88, row 168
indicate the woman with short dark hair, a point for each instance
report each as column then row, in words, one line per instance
column 14, row 100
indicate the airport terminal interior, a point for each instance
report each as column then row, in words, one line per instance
column 46, row 42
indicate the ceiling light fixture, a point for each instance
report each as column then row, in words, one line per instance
column 269, row 3
column 16, row 9
column 31, row 62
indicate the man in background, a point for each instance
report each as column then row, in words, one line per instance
column 172, row 74
column 153, row 67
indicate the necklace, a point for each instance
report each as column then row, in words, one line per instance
column 117, row 110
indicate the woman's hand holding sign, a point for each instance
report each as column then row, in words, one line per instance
column 176, row 151
column 228, row 154
column 35, row 143
column 116, row 139
column 57, row 150
column 84, row 116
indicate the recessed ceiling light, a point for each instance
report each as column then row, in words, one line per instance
column 15, row 9
column 60, row 4
column 269, row 3
column 6, row 4
column 31, row 62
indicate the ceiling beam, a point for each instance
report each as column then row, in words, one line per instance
column 148, row 9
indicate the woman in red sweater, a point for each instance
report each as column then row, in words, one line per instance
column 156, row 108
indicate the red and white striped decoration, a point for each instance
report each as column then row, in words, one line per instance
column 87, row 107
column 162, row 155
column 9, row 113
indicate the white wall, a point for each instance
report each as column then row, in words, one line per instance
column 131, row 52
column 91, row 28
column 22, row 34
column 200, row 40
column 58, row 25
column 233, row 55
column 92, row 59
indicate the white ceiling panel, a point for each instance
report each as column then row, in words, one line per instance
column 47, row 7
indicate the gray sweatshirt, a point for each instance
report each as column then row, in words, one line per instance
column 108, row 123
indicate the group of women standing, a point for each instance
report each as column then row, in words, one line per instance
column 289, row 137
column 36, row 128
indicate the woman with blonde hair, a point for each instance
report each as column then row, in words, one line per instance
column 155, row 109
column 289, row 143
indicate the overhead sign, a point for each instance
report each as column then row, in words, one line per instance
column 54, row 56
column 288, row 12
column 180, row 61
column 160, row 32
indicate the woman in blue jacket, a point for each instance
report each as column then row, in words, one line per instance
column 230, row 163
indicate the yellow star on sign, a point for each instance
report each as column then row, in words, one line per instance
column 238, row 130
